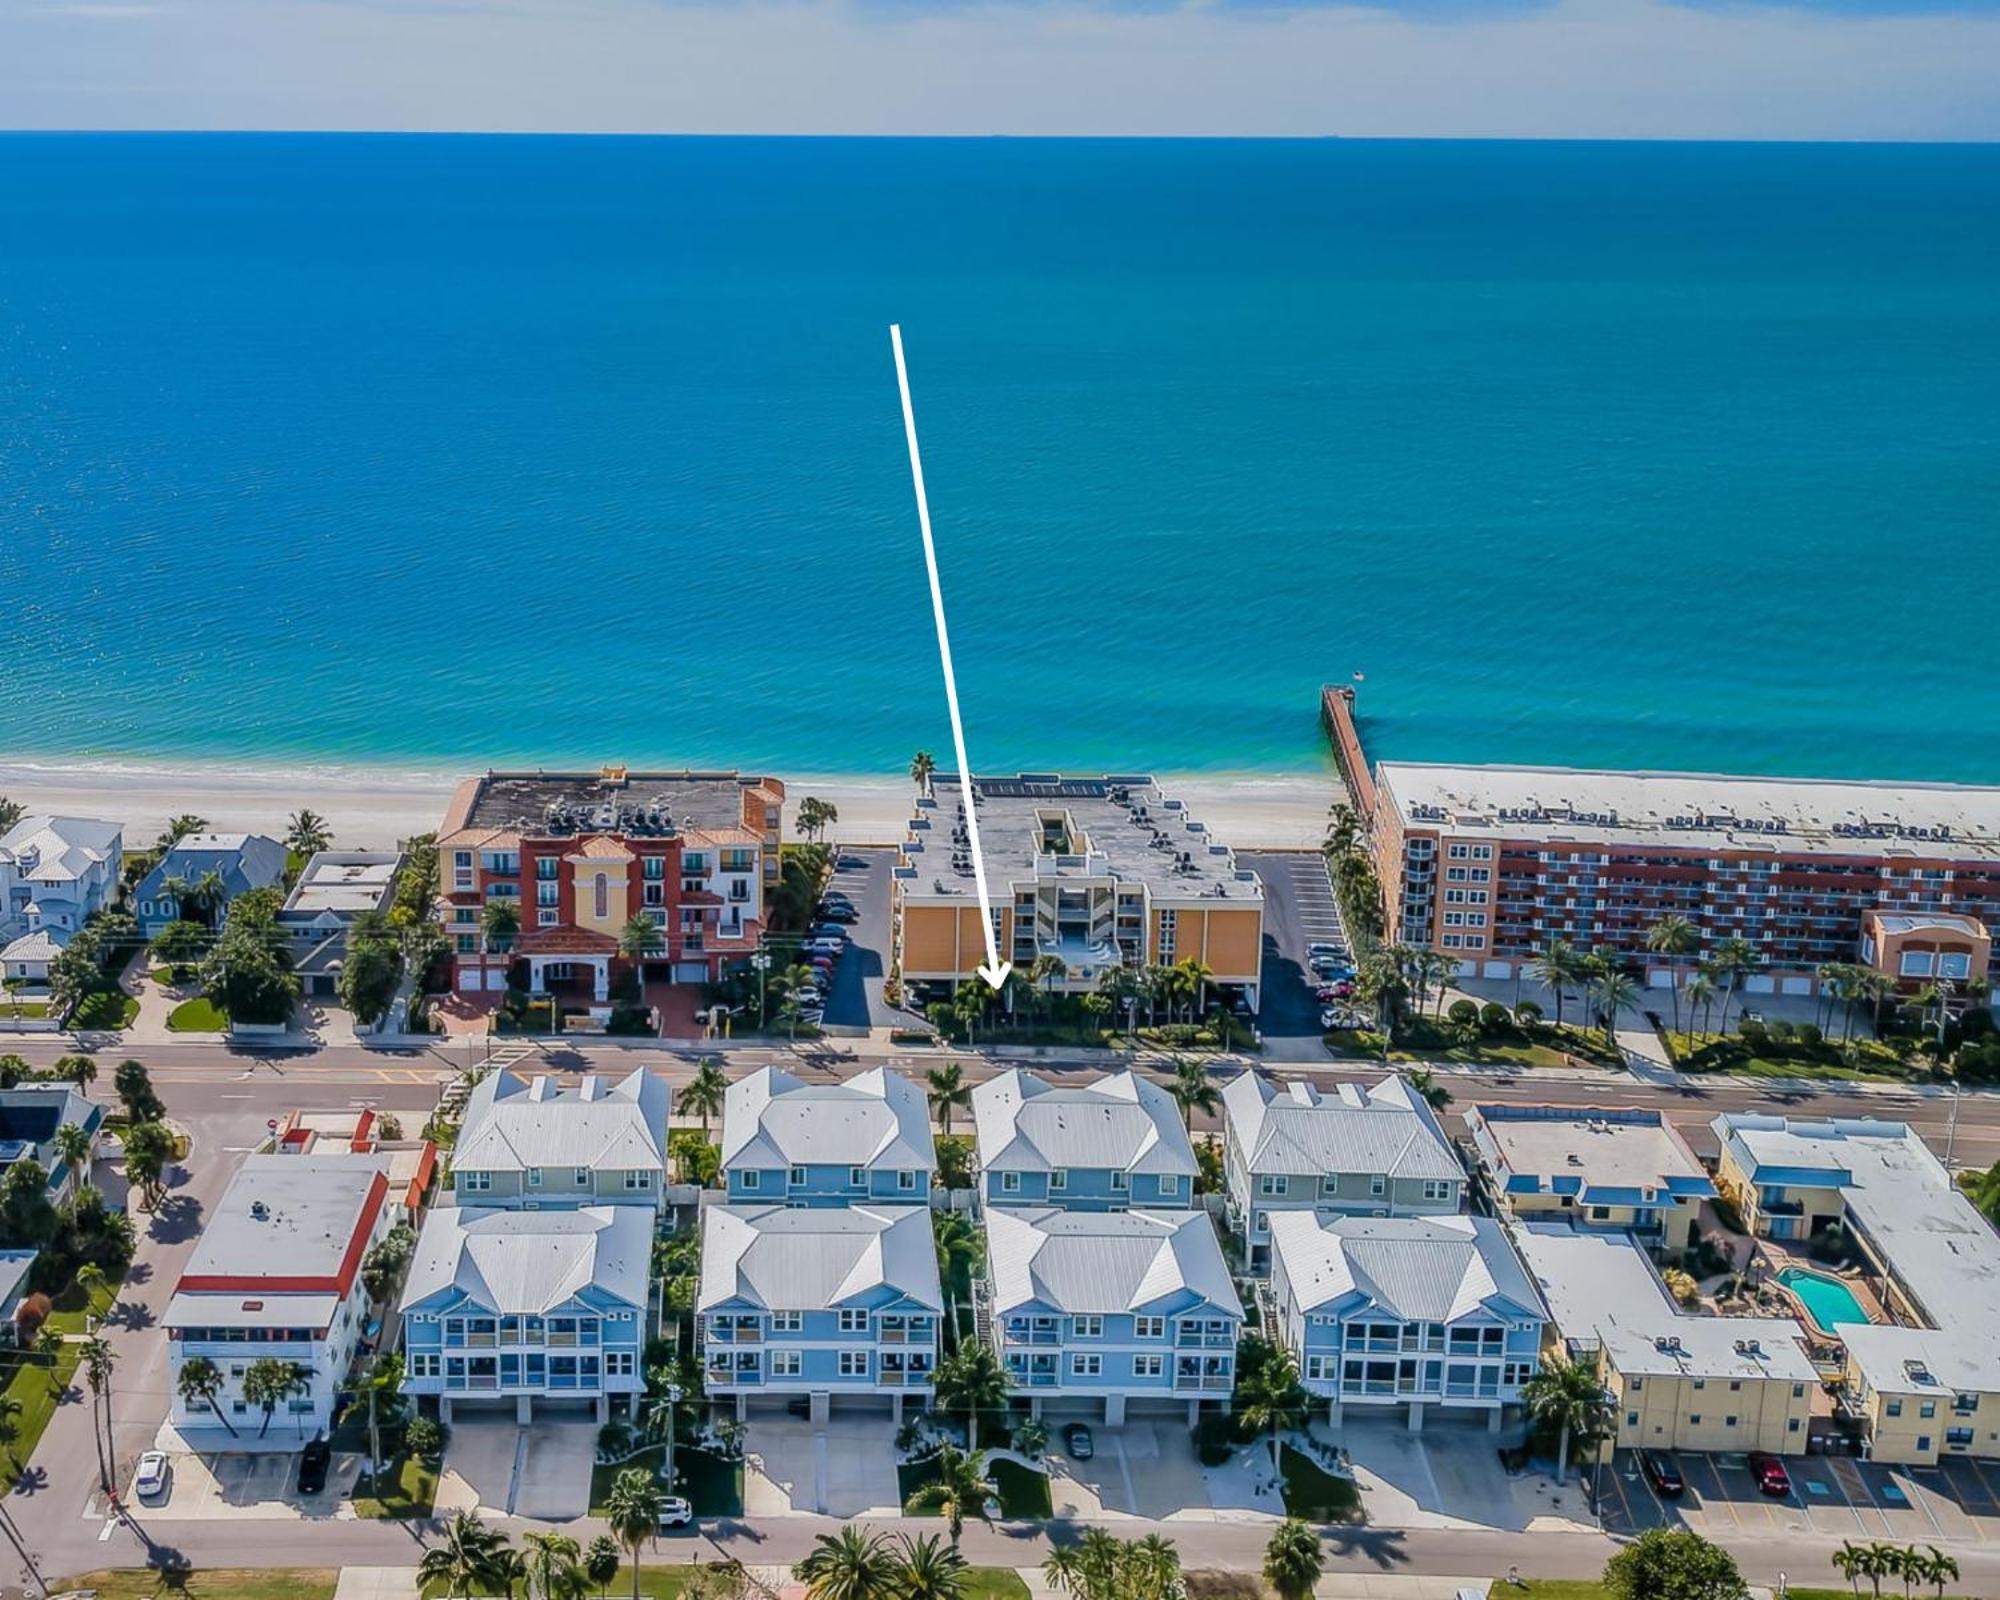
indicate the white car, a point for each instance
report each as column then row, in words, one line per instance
column 150, row 1480
column 675, row 1512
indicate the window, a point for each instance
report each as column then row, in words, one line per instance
column 1059, row 1179
column 1120, row 1182
column 1437, row 1188
column 638, row 1180
column 1798, row 1391
column 1091, row 1366
column 583, row 1177
column 1892, row 1408
column 1148, row 1366
column 473, row 1181
column 1792, row 1426
column 1378, row 1186
column 1149, row 1327
column 1271, row 1183
column 1694, row 1419
column 751, row 1177
column 1729, row 1421
column 1010, row 1183
column 1631, row 1419
column 1701, row 1383
column 788, row 1321
column 1090, row 1326
column 620, row 1363
column 798, row 1177
column 857, row 1177
column 786, row 1363
column 1927, row 1410
column 534, row 1177
column 853, row 1321
column 854, row 1363
column 600, row 896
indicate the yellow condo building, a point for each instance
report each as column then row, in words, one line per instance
column 1099, row 873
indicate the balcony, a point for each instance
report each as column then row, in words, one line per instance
column 903, row 1380
column 728, row 1333
column 1203, row 1385
column 1032, row 1336
column 1185, row 1340
column 483, row 1380
column 733, row 1378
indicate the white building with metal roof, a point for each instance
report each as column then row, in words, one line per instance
column 540, row 1143
column 1428, row 1313
column 822, row 1301
column 864, row 1139
column 1373, row 1150
column 1110, row 1306
column 516, row 1306
column 54, row 873
column 1104, row 1145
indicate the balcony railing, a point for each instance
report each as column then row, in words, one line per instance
column 902, row 1380
column 1185, row 1340
column 727, row 1333
column 1033, row 1336
column 1204, row 1385
column 734, row 1378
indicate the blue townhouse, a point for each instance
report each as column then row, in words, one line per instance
column 1109, row 1307
column 538, row 1144
column 829, row 1302
column 201, row 873
column 510, row 1306
column 1113, row 1144
column 1431, row 1314
column 787, row 1142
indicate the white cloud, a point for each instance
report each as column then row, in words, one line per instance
column 1575, row 68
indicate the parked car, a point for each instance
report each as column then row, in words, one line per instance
column 675, row 1512
column 1326, row 948
column 1077, row 1441
column 1770, row 1473
column 150, row 1481
column 1662, row 1474
column 1337, row 1017
column 313, row 1462
column 825, row 947
column 839, row 911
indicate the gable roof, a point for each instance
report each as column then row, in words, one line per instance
column 513, row 1123
column 1122, row 1121
column 48, row 847
column 525, row 1263
column 1104, row 1261
column 1416, row 1269
column 876, row 1119
column 813, row 1258
column 1293, row 1128
column 243, row 861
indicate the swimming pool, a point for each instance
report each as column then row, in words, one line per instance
column 1829, row 1301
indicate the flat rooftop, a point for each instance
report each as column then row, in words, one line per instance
column 1615, row 1155
column 1698, row 810
column 1045, row 827
column 344, row 882
column 1934, row 1241
column 292, row 1219
column 1602, row 1291
column 637, row 804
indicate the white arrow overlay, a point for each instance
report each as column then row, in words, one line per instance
column 995, row 971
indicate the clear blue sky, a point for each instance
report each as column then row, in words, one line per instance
column 1846, row 69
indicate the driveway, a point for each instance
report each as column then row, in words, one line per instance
column 239, row 1486
column 1144, row 1469
column 856, row 998
column 1298, row 910
column 1450, row 1478
column 479, row 1463
column 845, row 1467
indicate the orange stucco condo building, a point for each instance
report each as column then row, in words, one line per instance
column 1098, row 872
column 1492, row 863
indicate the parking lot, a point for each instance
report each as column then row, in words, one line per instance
column 855, row 1000
column 1834, row 1497
column 238, row 1485
column 1298, row 911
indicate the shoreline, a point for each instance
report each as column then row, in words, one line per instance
column 376, row 807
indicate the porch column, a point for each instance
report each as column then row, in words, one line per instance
column 634, row 1407
column 603, row 1409
column 444, row 1409
column 1333, row 1413
column 742, row 1405
column 819, row 1407
column 1194, row 1413
column 1114, row 1411
column 524, row 1409
column 1496, row 1419
column 534, row 974
column 1035, row 1406
column 1416, row 1416
column 896, row 1407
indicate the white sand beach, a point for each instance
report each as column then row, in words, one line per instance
column 375, row 807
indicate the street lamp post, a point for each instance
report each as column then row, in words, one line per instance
column 674, row 1393
column 762, row 962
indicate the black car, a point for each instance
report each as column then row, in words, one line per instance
column 313, row 1462
column 1077, row 1441
column 839, row 911
column 1662, row 1474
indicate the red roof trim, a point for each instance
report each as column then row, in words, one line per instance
column 340, row 1284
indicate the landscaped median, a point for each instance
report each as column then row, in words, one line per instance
column 36, row 1379
column 219, row 1583
column 1785, row 1050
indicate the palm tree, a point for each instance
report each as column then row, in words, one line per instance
column 466, row 1556
column 1343, row 832
column 1433, row 1094
column 269, row 1383
column 1568, row 1395
column 1294, row 1559
column 1612, row 992
column 1193, row 978
column 702, row 1095
column 1847, row 1561
column 199, row 1383
column 10, row 1418
column 98, row 1359
column 926, row 1568
column 970, row 1379
column 1554, row 968
column 1191, row 1090
column 1940, row 1569
column 633, row 1510
column 1273, row 1398
column 960, row 1489
column 960, row 1244
column 308, row 834
column 848, row 1565
column 178, row 828
column 922, row 769
column 500, row 922
column 600, row 1562
column 73, row 1145
column 554, row 1566
column 640, row 938
column 947, row 1091
column 383, row 1385
column 1734, row 958
column 1676, row 938
column 1701, row 992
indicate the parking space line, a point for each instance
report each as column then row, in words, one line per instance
column 1913, row 1494
column 1851, row 1479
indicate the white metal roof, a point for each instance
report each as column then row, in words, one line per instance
column 1602, row 1291
column 1293, row 1128
column 877, row 1119
column 815, row 1258
column 1416, row 1269
column 513, row 1123
column 1104, row 1261
column 51, row 847
column 1121, row 1121
column 529, row 1262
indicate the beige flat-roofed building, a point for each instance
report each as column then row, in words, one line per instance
column 1679, row 1381
column 1492, row 863
column 1097, row 872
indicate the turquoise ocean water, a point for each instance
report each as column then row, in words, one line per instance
column 434, row 450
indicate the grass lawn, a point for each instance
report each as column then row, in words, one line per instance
column 199, row 1015
column 647, row 1460
column 407, row 1489
column 993, row 1583
column 1316, row 1495
column 1565, row 1589
column 1543, row 1045
column 1024, row 1493
column 664, row 1577
column 38, row 1380
column 219, row 1583
column 713, row 1486
column 102, row 1010
column 23, row 1010
column 1867, row 1060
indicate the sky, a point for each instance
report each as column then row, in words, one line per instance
column 1804, row 69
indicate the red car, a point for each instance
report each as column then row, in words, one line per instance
column 1770, row 1473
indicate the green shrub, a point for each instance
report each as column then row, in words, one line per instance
column 1463, row 1014
column 1527, row 1013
